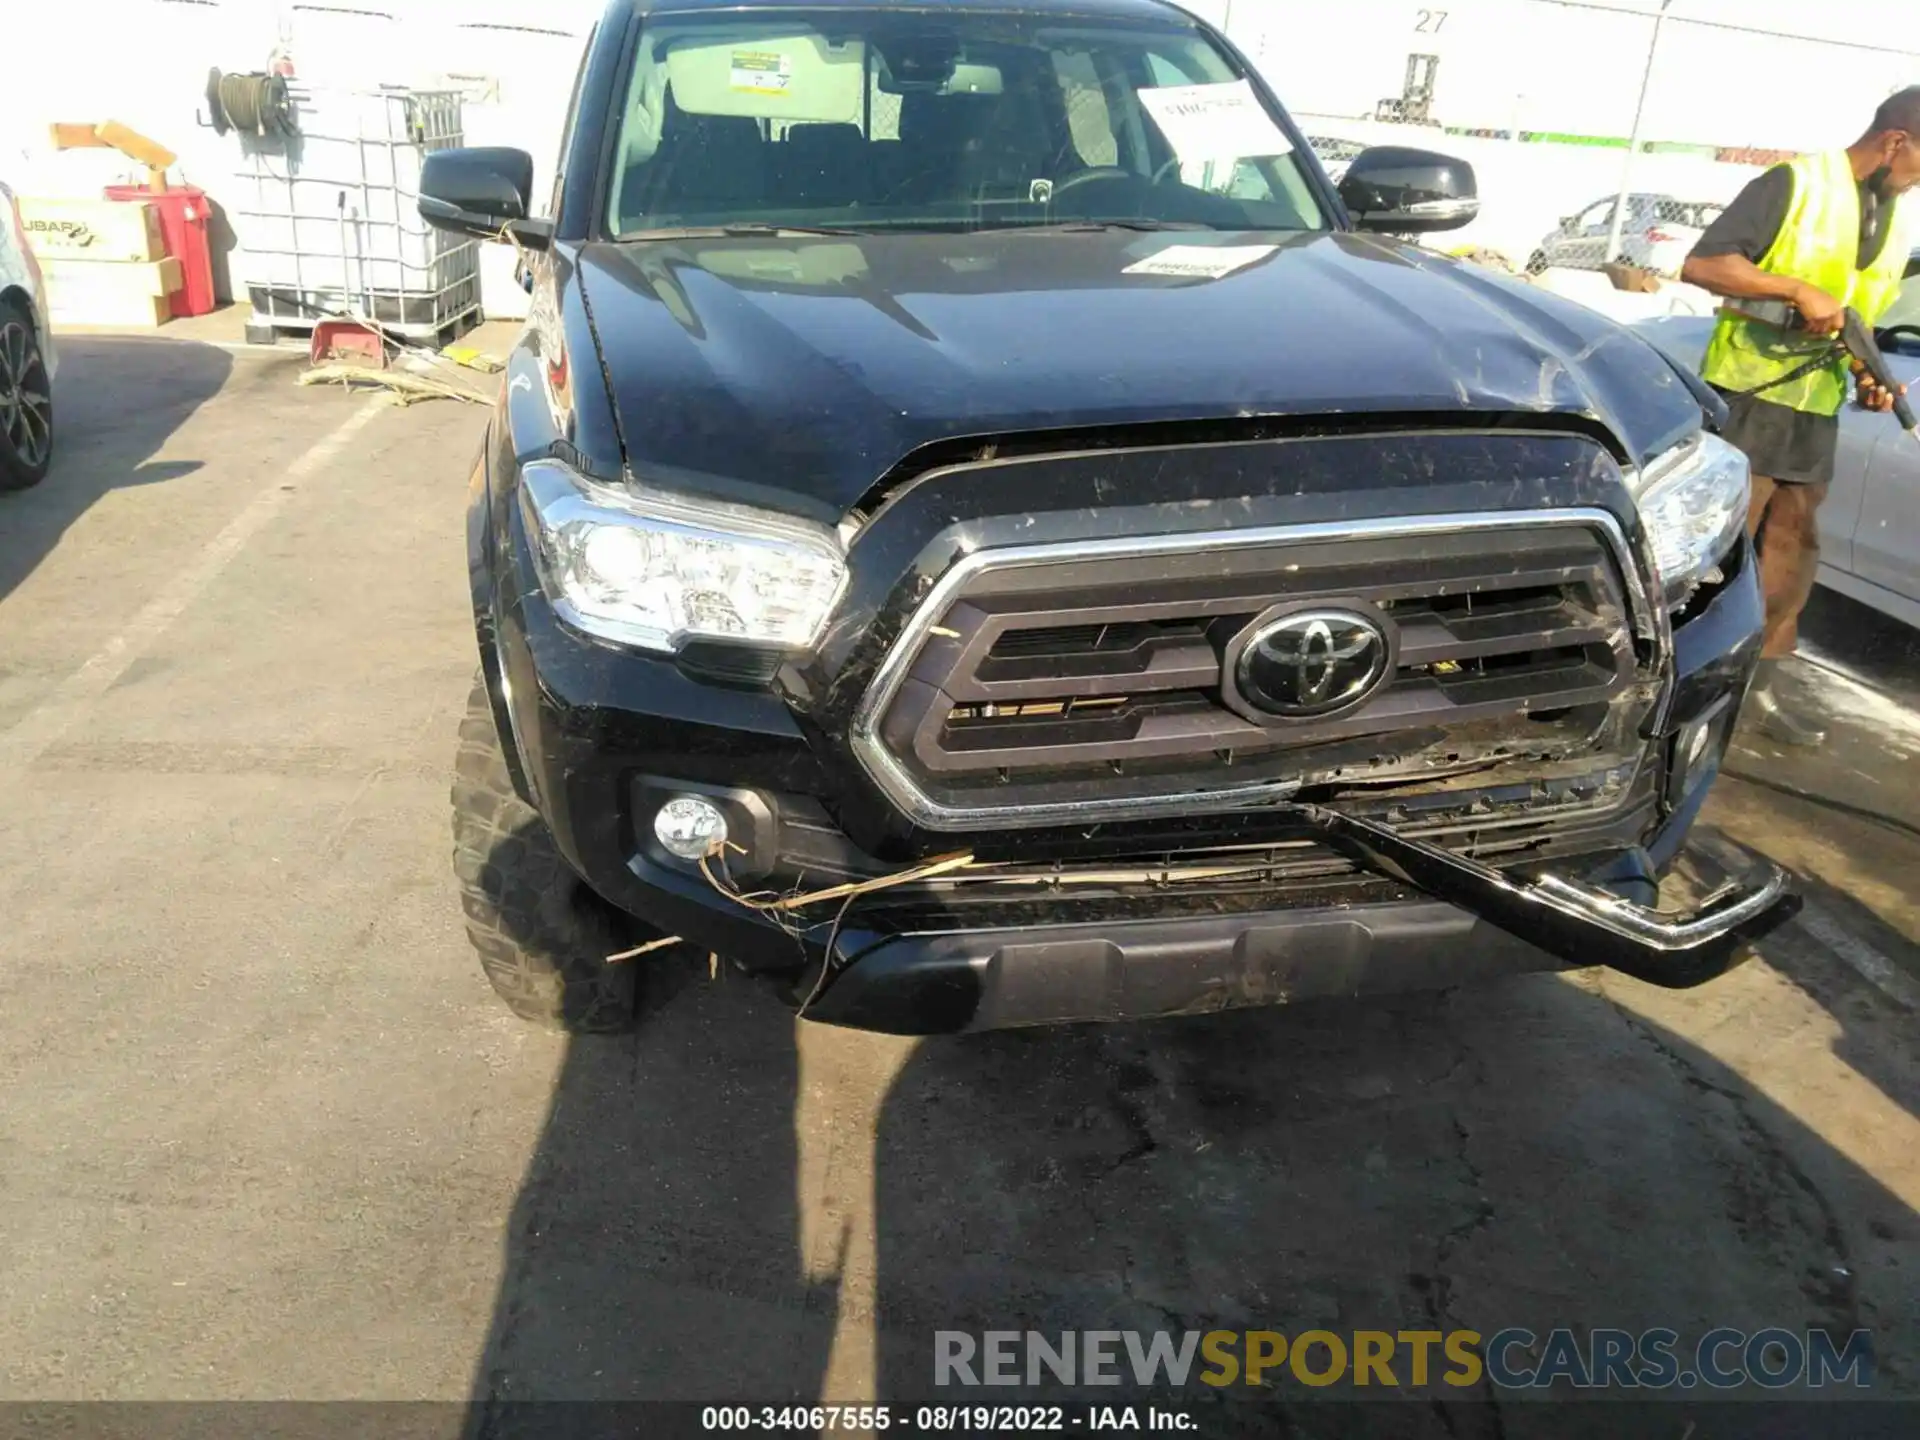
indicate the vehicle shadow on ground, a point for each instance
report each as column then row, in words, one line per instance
column 1873, row 1038
column 655, row 1248
column 1529, row 1153
column 116, row 401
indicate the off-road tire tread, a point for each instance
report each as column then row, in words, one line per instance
column 542, row 936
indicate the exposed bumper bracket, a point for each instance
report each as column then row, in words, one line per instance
column 1738, row 899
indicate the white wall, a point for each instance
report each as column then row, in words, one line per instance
column 1529, row 65
column 145, row 63
column 1558, row 68
column 142, row 62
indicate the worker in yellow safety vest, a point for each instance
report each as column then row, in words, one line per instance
column 1803, row 242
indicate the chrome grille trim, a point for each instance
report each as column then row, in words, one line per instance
column 1650, row 624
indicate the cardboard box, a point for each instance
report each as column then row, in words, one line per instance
column 132, row 312
column 109, row 230
column 90, row 292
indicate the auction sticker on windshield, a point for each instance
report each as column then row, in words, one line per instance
column 761, row 72
column 1215, row 122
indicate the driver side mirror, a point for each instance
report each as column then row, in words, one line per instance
column 1398, row 190
column 482, row 192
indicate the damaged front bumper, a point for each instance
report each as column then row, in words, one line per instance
column 1715, row 902
column 1729, row 898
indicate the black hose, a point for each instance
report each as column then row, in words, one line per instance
column 255, row 104
column 1826, row 802
column 1857, row 342
column 1818, row 360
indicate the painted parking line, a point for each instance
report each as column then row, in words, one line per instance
column 67, row 705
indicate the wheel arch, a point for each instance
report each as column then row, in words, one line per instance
column 483, row 590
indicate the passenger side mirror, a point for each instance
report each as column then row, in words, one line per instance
column 482, row 192
column 1402, row 191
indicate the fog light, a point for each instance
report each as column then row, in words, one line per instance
column 1693, row 745
column 689, row 827
column 1696, row 750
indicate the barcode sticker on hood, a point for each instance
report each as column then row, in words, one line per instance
column 1200, row 262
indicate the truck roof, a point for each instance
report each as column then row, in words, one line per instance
column 1160, row 10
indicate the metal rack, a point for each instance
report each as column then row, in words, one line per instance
column 329, row 220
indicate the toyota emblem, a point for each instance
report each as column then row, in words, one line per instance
column 1311, row 663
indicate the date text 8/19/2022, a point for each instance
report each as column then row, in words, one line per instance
column 944, row 1419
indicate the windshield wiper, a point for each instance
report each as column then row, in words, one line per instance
column 1069, row 227
column 740, row 228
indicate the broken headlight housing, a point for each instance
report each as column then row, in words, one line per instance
column 655, row 571
column 1693, row 501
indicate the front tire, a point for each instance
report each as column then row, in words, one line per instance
column 26, row 402
column 541, row 934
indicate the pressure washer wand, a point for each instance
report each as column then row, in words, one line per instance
column 1856, row 337
column 1859, row 339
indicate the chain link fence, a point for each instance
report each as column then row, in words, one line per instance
column 1658, row 230
column 1657, row 233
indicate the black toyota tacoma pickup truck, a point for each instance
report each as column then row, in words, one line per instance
column 980, row 528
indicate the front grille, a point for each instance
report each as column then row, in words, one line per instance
column 1042, row 681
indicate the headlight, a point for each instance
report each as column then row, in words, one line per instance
column 658, row 571
column 1693, row 501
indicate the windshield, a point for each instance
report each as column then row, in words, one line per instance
column 864, row 119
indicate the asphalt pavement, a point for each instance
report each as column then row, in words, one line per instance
column 265, row 1133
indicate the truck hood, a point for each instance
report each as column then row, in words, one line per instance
column 800, row 371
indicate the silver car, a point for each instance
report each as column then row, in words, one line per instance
column 1870, row 523
column 1659, row 233
column 26, row 357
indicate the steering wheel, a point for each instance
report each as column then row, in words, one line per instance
column 1171, row 167
column 1089, row 175
column 1902, row 332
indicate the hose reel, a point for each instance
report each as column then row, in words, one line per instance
column 254, row 104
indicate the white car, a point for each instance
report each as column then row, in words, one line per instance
column 26, row 357
column 1870, row 523
column 1659, row 234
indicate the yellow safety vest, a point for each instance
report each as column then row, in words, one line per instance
column 1820, row 244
